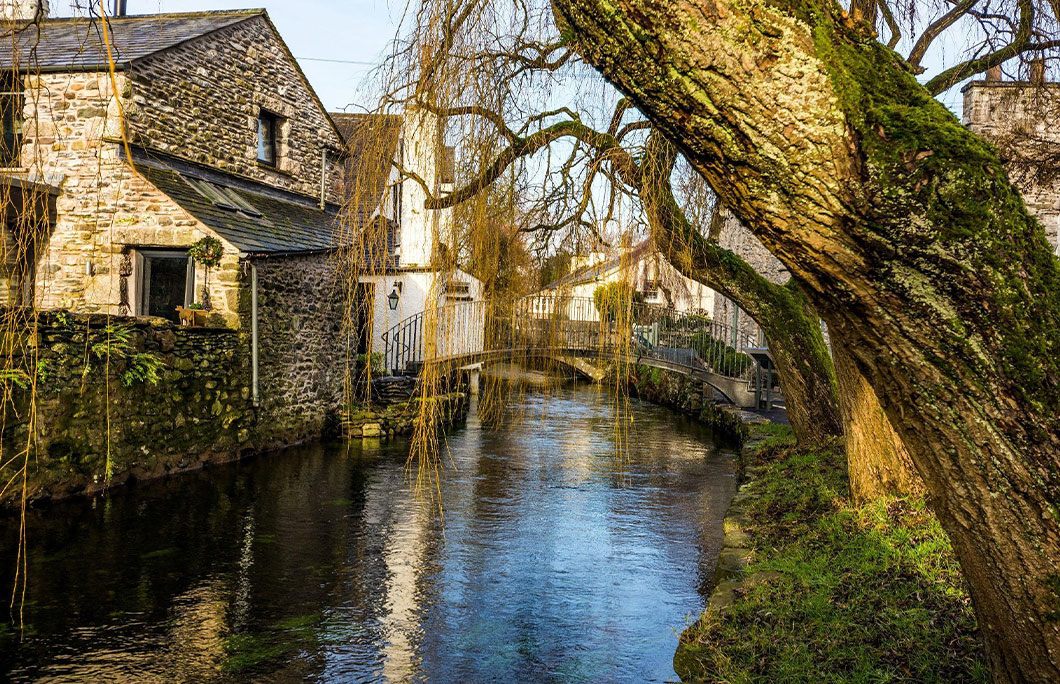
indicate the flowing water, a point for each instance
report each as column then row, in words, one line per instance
column 560, row 557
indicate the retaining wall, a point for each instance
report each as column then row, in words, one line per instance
column 77, row 407
column 690, row 397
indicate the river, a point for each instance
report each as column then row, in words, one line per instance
column 559, row 556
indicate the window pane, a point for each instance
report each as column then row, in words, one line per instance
column 267, row 138
column 166, row 286
column 11, row 103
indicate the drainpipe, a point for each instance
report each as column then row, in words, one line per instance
column 735, row 326
column 323, row 179
column 254, row 332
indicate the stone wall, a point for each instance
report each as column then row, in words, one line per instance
column 71, row 123
column 86, row 407
column 688, row 396
column 1021, row 118
column 200, row 101
column 303, row 346
column 201, row 410
column 399, row 419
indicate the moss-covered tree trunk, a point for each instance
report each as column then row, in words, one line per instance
column 784, row 314
column 913, row 245
column 877, row 461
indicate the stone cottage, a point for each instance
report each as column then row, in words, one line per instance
column 205, row 128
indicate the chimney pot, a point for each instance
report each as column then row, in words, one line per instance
column 1037, row 71
column 993, row 74
column 119, row 8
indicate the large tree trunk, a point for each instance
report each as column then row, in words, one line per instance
column 877, row 460
column 784, row 314
column 806, row 374
column 913, row 245
column 878, row 463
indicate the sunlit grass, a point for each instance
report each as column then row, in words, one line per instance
column 836, row 593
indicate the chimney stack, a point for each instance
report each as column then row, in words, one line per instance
column 23, row 10
column 1037, row 71
column 119, row 8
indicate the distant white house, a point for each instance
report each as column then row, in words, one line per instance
column 400, row 283
column 642, row 267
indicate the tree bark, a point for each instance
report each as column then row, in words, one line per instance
column 784, row 314
column 877, row 461
column 910, row 240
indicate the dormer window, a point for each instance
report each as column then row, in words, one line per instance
column 268, row 134
column 11, row 105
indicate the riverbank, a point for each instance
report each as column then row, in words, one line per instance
column 399, row 420
column 813, row 588
column 690, row 397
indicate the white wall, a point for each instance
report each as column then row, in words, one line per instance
column 417, row 289
column 421, row 153
column 22, row 10
column 674, row 290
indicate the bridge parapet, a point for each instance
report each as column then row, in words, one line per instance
column 465, row 333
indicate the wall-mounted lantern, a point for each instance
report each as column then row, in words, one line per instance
column 395, row 297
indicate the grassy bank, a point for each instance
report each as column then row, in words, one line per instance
column 819, row 590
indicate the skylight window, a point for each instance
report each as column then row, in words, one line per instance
column 224, row 197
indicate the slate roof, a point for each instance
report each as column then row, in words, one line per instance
column 287, row 224
column 76, row 44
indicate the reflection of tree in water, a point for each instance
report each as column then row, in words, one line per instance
column 322, row 562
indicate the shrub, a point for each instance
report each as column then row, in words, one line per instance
column 614, row 298
column 720, row 357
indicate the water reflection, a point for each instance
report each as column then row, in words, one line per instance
column 555, row 561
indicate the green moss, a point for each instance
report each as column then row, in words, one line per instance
column 973, row 259
column 835, row 593
column 251, row 651
column 765, row 437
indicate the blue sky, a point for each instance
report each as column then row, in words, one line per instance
column 348, row 30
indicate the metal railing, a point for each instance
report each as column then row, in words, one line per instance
column 468, row 331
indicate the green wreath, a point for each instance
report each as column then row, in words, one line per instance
column 208, row 252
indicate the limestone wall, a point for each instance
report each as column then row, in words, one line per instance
column 201, row 101
column 72, row 121
column 86, row 408
column 1021, row 119
column 303, row 348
